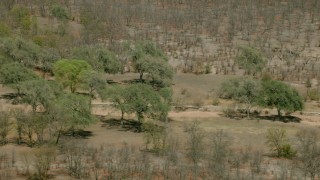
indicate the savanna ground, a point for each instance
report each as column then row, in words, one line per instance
column 197, row 93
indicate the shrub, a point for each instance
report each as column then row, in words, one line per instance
column 154, row 135
column 59, row 12
column 314, row 94
column 4, row 30
column 215, row 101
column 279, row 144
column 4, row 127
column 43, row 160
column 287, row 151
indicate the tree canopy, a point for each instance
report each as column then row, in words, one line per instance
column 27, row 53
column 243, row 90
column 38, row 92
column 279, row 95
column 142, row 100
column 251, row 60
column 99, row 58
column 69, row 111
column 148, row 58
column 70, row 72
column 94, row 82
column 13, row 73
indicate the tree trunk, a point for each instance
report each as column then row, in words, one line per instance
column 166, row 132
column 248, row 112
column 141, row 76
column 122, row 115
column 279, row 113
column 58, row 136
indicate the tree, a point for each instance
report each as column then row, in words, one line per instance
column 243, row 90
column 276, row 94
column 219, row 152
column 59, row 12
column 44, row 158
column 22, row 51
column 143, row 57
column 69, row 111
column 278, row 142
column 69, row 73
column 142, row 100
column 21, row 16
column 118, row 99
column 4, row 30
column 165, row 105
column 11, row 74
column 99, row 58
column 94, row 82
column 309, row 152
column 195, row 145
column 20, row 117
column 38, row 93
column 5, row 126
column 159, row 71
column 46, row 60
column 251, row 60
column 111, row 64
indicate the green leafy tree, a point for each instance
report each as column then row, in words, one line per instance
column 21, row 16
column 99, row 58
column 118, row 98
column 69, row 73
column 276, row 94
column 159, row 71
column 59, row 12
column 142, row 100
column 4, row 30
column 21, row 51
column 46, row 59
column 94, row 82
column 11, row 74
column 68, row 112
column 38, row 93
column 111, row 64
column 251, row 60
column 143, row 57
column 243, row 90
column 88, row 53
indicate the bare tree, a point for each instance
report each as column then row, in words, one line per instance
column 195, row 145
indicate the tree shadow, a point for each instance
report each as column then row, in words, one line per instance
column 133, row 81
column 9, row 96
column 78, row 133
column 284, row 119
column 110, row 81
column 13, row 98
column 122, row 125
column 241, row 114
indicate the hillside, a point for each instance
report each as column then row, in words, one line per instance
column 160, row 89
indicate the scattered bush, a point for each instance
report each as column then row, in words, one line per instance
column 314, row 94
column 5, row 126
column 43, row 158
column 59, row 12
column 154, row 135
column 75, row 159
column 279, row 144
column 215, row 101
